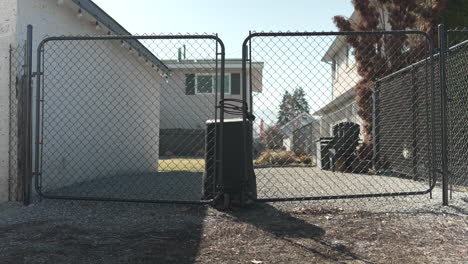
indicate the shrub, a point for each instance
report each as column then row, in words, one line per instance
column 271, row 157
column 258, row 147
column 305, row 159
column 274, row 138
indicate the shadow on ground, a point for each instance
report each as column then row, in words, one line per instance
column 296, row 233
column 101, row 232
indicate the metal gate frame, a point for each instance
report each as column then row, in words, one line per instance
column 246, row 58
column 39, row 115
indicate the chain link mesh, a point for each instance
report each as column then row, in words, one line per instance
column 457, row 96
column 313, row 131
column 123, row 121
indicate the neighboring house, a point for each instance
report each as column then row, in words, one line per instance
column 301, row 133
column 344, row 76
column 189, row 98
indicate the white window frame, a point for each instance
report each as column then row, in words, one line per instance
column 350, row 59
column 213, row 77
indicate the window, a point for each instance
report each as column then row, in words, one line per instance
column 350, row 59
column 205, row 83
column 227, row 87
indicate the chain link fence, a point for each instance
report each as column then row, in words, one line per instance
column 315, row 114
column 135, row 118
column 124, row 118
column 408, row 120
column 457, row 96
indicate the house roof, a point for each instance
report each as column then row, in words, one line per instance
column 301, row 120
column 337, row 43
column 233, row 64
column 229, row 63
column 106, row 20
column 337, row 102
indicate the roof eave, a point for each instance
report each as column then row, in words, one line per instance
column 106, row 20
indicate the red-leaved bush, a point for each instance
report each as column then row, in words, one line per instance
column 378, row 55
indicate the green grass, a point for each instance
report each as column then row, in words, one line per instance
column 181, row 164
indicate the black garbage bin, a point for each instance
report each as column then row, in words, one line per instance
column 237, row 162
column 345, row 141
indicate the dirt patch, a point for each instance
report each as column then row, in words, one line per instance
column 329, row 235
column 88, row 232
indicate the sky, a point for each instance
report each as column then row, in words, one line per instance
column 232, row 20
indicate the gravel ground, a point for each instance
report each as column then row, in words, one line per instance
column 271, row 182
column 311, row 181
column 108, row 232
column 183, row 185
column 413, row 229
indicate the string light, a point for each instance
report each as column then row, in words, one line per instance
column 80, row 14
column 97, row 26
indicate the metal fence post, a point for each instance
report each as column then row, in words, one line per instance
column 443, row 93
column 25, row 138
column 375, row 126
column 414, row 121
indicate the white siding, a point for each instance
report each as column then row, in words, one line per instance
column 346, row 112
column 117, row 130
column 346, row 75
column 7, row 37
column 179, row 110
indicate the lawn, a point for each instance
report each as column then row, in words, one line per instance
column 182, row 164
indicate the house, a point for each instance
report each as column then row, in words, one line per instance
column 83, row 81
column 300, row 134
column 189, row 98
column 344, row 76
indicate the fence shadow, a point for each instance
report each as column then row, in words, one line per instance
column 290, row 229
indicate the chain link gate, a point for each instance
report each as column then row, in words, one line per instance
column 321, row 132
column 123, row 118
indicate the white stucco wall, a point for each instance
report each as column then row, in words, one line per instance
column 345, row 112
column 8, row 9
column 346, row 73
column 101, row 108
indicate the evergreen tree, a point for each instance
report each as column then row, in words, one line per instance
column 292, row 106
